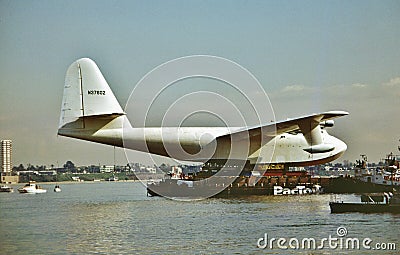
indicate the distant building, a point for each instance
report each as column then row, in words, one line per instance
column 6, row 162
column 107, row 169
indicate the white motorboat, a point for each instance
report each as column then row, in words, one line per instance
column 6, row 188
column 32, row 188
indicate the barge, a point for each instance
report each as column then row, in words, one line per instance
column 370, row 203
column 277, row 181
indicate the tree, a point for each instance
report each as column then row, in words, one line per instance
column 19, row 168
column 69, row 165
column 30, row 168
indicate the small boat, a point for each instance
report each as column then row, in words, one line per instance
column 6, row 188
column 57, row 188
column 370, row 203
column 112, row 179
column 32, row 188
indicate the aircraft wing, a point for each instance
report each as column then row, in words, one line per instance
column 305, row 124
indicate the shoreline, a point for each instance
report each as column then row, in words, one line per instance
column 81, row 182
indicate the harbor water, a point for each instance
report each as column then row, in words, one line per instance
column 118, row 218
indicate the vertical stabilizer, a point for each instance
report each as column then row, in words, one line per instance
column 86, row 93
column 89, row 109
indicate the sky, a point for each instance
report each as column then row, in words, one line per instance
column 309, row 56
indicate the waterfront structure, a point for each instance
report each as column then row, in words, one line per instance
column 6, row 162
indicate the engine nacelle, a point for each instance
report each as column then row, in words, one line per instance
column 327, row 123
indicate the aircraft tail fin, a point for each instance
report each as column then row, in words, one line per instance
column 86, row 93
column 89, row 109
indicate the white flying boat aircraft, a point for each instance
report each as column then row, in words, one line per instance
column 91, row 112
